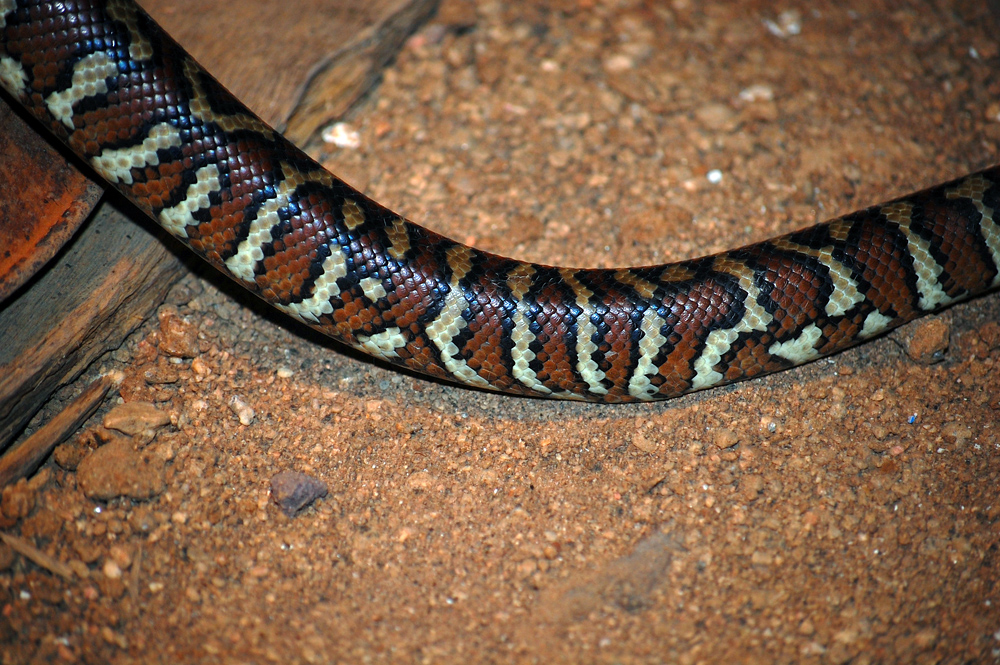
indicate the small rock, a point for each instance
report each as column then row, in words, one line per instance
column 717, row 117
column 293, row 491
column 421, row 480
column 200, row 368
column 79, row 568
column 111, row 570
column 111, row 587
column 69, row 455
column 115, row 469
column 643, row 443
column 929, row 342
column 142, row 519
column 160, row 375
column 121, row 556
column 751, row 486
column 618, row 63
column 757, row 92
column 725, row 438
column 990, row 334
column 135, row 417
column 877, row 445
column 956, row 434
column 243, row 411
column 925, row 639
column 17, row 500
column 178, row 338
column 88, row 551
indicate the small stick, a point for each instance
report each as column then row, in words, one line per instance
column 26, row 549
column 24, row 458
column 134, row 580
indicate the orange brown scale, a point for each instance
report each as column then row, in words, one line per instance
column 617, row 350
column 798, row 291
column 880, row 254
column 752, row 358
column 956, row 247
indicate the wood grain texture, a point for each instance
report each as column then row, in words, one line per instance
column 323, row 54
column 110, row 278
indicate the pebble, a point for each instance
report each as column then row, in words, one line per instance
column 643, row 443
column 115, row 470
column 121, row 556
column 788, row 24
column 956, row 434
column 751, row 486
column 69, row 455
column 111, row 570
column 243, row 411
column 421, row 480
column 929, row 341
column 725, row 438
column 990, row 334
column 178, row 338
column 88, row 551
column 758, row 92
column 160, row 375
column 17, row 500
column 717, row 117
column 79, row 568
column 293, row 491
column 135, row 418
column 342, row 135
column 200, row 367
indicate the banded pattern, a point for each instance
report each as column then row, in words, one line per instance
column 126, row 98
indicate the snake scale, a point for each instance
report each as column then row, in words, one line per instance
column 134, row 105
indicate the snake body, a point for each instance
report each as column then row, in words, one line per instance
column 127, row 99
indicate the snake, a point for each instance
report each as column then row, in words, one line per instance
column 131, row 103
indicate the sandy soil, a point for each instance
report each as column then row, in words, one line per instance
column 842, row 512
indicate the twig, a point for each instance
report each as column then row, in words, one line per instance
column 26, row 549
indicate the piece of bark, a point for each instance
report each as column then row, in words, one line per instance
column 110, row 278
column 296, row 65
column 44, row 200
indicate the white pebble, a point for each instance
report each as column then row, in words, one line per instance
column 243, row 410
column 714, row 176
column 341, row 135
column 111, row 570
column 757, row 92
column 789, row 23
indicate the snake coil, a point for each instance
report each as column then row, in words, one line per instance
column 126, row 98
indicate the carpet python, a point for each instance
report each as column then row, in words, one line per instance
column 134, row 105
